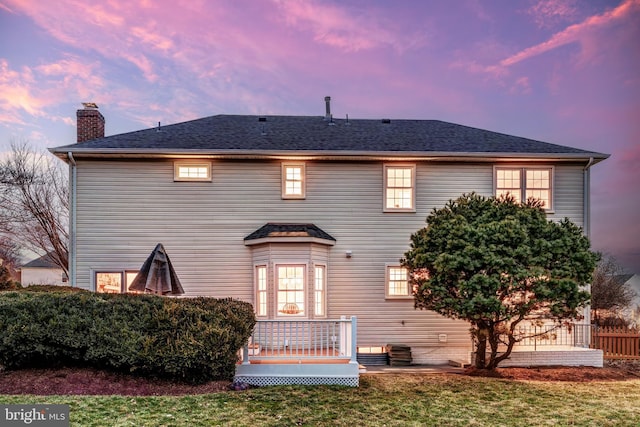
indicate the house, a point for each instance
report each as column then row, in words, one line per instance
column 632, row 313
column 42, row 271
column 305, row 217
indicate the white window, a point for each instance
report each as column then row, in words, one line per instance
column 319, row 291
column 293, row 181
column 290, row 299
column 114, row 282
column 525, row 183
column 399, row 188
column 109, row 282
column 261, row 290
column 191, row 171
column 397, row 282
column 129, row 276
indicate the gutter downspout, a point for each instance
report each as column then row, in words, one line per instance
column 586, row 198
column 72, row 219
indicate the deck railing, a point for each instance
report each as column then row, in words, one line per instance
column 292, row 340
column 574, row 335
column 615, row 342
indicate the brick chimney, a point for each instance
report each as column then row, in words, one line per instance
column 90, row 122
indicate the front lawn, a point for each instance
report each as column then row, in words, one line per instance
column 381, row 400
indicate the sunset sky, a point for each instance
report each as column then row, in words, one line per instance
column 561, row 71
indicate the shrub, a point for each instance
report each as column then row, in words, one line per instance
column 6, row 283
column 192, row 340
column 52, row 288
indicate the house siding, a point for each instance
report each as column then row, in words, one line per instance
column 41, row 276
column 124, row 208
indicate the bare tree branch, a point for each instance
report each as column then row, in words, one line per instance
column 34, row 203
column 609, row 292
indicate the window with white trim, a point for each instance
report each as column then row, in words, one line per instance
column 191, row 171
column 109, row 282
column 399, row 188
column 398, row 282
column 261, row 290
column 524, row 183
column 290, row 290
column 114, row 282
column 293, row 180
column 319, row 291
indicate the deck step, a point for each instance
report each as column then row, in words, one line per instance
column 459, row 363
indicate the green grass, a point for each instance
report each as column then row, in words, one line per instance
column 381, row 400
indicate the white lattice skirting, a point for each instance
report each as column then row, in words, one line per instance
column 299, row 374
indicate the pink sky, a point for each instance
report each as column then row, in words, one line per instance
column 562, row 71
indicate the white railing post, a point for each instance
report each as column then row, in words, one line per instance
column 354, row 339
column 308, row 339
column 344, row 337
column 245, row 353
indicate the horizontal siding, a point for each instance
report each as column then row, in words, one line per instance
column 125, row 208
column 569, row 194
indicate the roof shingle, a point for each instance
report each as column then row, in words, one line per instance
column 300, row 134
column 273, row 229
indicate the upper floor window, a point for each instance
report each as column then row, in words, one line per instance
column 293, row 181
column 399, row 188
column 191, row 171
column 525, row 183
column 398, row 282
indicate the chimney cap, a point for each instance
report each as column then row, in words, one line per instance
column 90, row 105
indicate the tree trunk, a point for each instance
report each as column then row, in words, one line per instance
column 481, row 347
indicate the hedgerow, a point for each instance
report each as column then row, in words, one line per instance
column 187, row 339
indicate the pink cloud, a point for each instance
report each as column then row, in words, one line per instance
column 521, row 86
column 34, row 91
column 629, row 158
column 547, row 13
column 144, row 64
column 16, row 94
column 154, row 40
column 213, row 45
column 95, row 14
column 338, row 27
column 5, row 7
column 575, row 33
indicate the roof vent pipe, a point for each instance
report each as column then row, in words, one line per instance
column 327, row 103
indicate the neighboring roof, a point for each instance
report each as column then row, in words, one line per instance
column 623, row 278
column 229, row 135
column 289, row 232
column 42, row 262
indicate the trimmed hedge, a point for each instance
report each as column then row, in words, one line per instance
column 193, row 340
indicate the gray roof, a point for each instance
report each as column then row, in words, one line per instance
column 273, row 229
column 623, row 278
column 44, row 261
column 265, row 135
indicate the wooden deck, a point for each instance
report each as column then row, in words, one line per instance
column 301, row 352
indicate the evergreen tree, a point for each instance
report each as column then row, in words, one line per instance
column 496, row 263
